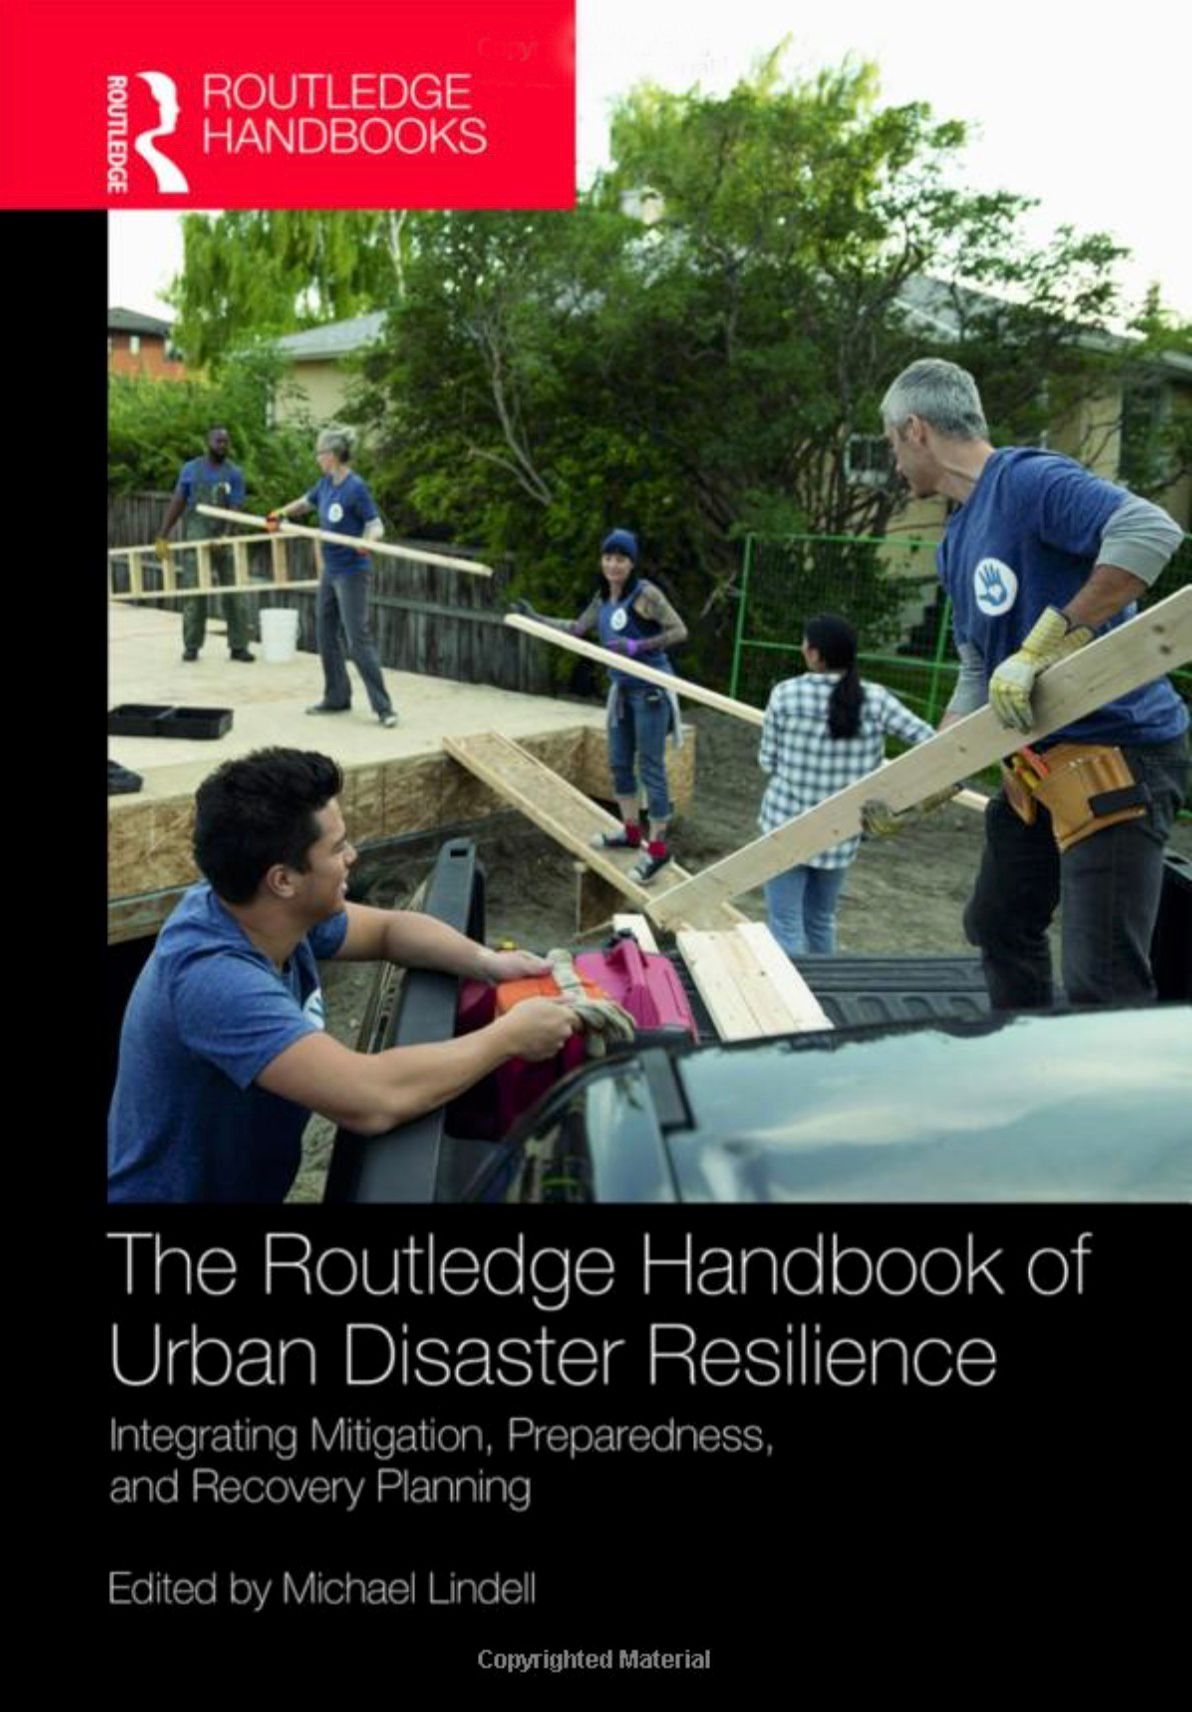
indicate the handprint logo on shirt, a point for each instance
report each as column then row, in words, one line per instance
column 995, row 586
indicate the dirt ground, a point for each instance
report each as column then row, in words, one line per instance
column 902, row 895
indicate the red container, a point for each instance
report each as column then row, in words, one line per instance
column 642, row 983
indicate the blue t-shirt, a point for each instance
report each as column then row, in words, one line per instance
column 201, row 482
column 209, row 1011
column 617, row 620
column 1027, row 538
column 345, row 508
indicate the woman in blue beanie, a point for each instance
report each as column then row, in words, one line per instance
column 633, row 617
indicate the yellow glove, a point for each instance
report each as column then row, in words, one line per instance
column 879, row 820
column 162, row 548
column 1052, row 639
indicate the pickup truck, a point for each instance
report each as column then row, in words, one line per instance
column 917, row 1093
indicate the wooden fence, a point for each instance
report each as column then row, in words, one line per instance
column 426, row 619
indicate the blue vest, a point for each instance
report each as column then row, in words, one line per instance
column 618, row 621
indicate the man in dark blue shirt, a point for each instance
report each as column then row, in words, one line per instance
column 223, row 1053
column 210, row 480
column 1038, row 558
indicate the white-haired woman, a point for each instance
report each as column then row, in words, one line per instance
column 346, row 507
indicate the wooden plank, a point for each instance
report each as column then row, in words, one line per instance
column 239, row 560
column 230, row 588
column 749, row 985
column 636, row 669
column 279, row 559
column 1157, row 641
column 136, row 576
column 771, row 1013
column 203, row 555
column 564, row 812
column 805, row 1009
column 385, row 548
column 183, row 546
column 719, row 987
column 640, row 928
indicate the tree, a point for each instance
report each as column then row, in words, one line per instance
column 155, row 426
column 703, row 376
column 254, row 276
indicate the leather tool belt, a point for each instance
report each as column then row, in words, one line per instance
column 1085, row 787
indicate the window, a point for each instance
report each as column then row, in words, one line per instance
column 868, row 460
column 134, row 343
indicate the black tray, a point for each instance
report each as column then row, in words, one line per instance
column 156, row 719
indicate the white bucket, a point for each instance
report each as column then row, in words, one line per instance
column 279, row 634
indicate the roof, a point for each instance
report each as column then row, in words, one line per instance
column 335, row 339
column 128, row 321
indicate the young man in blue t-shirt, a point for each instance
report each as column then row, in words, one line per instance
column 345, row 507
column 210, row 480
column 223, row 1054
column 1038, row 558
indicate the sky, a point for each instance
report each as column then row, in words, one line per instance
column 1086, row 115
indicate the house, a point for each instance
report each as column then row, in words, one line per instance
column 319, row 372
column 1101, row 432
column 142, row 345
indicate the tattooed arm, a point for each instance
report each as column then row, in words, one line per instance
column 652, row 604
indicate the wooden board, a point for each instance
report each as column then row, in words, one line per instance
column 387, row 549
column 1155, row 642
column 636, row 669
column 260, row 587
column 751, row 989
column 565, row 813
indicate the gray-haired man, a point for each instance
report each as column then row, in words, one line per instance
column 345, row 507
column 1038, row 558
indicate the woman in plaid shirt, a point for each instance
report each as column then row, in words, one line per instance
column 822, row 731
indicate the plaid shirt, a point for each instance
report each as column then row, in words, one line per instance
column 806, row 765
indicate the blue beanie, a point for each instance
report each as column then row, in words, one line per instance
column 620, row 541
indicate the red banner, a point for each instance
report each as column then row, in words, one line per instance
column 287, row 104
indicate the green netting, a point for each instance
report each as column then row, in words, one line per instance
column 888, row 590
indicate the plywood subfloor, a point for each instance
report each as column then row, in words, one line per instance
column 397, row 783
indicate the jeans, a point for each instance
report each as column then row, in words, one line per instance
column 1107, row 885
column 196, row 607
column 343, row 602
column 801, row 908
column 639, row 729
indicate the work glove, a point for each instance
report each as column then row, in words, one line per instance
column 1053, row 638
column 625, row 645
column 879, row 820
column 162, row 548
column 522, row 608
column 273, row 521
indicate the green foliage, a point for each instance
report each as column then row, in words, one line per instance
column 1157, row 418
column 547, row 376
column 155, row 426
column 255, row 275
